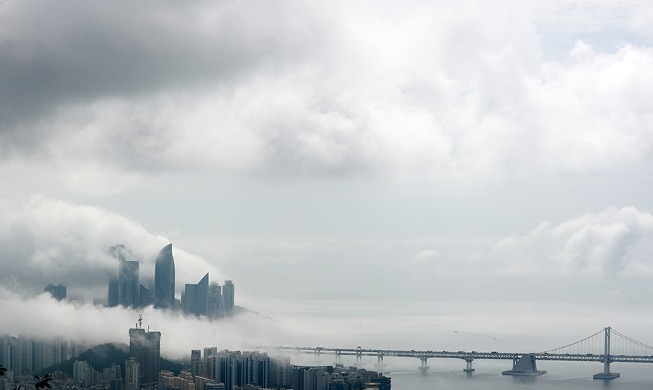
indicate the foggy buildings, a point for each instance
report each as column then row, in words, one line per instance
column 164, row 278
column 228, row 297
column 113, row 298
column 339, row 377
column 216, row 306
column 145, row 348
column 58, row 292
column 196, row 297
column 124, row 290
column 23, row 355
column 195, row 361
column 235, row 368
column 129, row 286
column 201, row 299
column 132, row 374
column 145, row 297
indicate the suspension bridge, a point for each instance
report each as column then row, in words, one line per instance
column 605, row 346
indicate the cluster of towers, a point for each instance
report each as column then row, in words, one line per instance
column 222, row 370
column 201, row 299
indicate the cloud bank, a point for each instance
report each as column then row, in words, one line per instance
column 49, row 241
column 461, row 93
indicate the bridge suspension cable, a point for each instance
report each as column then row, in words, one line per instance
column 577, row 343
column 595, row 344
column 629, row 345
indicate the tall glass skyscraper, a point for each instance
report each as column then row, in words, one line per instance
column 197, row 297
column 129, row 286
column 228, row 297
column 164, row 278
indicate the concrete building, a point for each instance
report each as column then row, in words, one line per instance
column 196, row 362
column 145, row 348
column 132, row 374
column 237, row 368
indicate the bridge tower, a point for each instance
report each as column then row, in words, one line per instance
column 380, row 367
column 424, row 366
column 338, row 357
column 469, row 368
column 359, row 357
column 318, row 352
column 606, row 374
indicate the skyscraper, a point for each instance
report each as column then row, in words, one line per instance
column 195, row 361
column 216, row 308
column 145, row 348
column 196, row 297
column 113, row 298
column 145, row 296
column 129, row 285
column 228, row 297
column 164, row 278
column 58, row 292
column 132, row 374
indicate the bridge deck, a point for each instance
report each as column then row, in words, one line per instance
column 467, row 355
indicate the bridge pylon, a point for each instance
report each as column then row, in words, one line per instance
column 526, row 365
column 338, row 358
column 469, row 368
column 424, row 368
column 380, row 367
column 606, row 374
column 359, row 357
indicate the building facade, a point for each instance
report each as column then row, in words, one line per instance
column 228, row 292
column 196, row 297
column 145, row 348
column 164, row 278
column 58, row 292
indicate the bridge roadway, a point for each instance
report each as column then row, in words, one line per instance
column 468, row 356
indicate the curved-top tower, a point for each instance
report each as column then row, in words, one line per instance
column 164, row 278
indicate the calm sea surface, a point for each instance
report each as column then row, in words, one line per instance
column 469, row 326
column 560, row 376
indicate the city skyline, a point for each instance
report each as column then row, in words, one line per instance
column 407, row 174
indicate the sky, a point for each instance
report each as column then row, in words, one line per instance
column 349, row 150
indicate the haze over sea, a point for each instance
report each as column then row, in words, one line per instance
column 468, row 326
column 429, row 175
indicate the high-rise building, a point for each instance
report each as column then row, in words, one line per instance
column 145, row 348
column 228, row 297
column 196, row 297
column 164, row 278
column 216, row 308
column 195, row 362
column 58, row 292
column 113, row 298
column 132, row 374
column 128, row 280
column 145, row 296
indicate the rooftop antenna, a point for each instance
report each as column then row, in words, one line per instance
column 140, row 320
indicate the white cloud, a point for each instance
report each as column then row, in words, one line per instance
column 50, row 241
column 453, row 93
column 612, row 242
column 426, row 254
column 42, row 317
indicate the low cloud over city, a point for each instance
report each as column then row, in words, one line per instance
column 329, row 158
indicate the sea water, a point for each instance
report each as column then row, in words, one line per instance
column 468, row 326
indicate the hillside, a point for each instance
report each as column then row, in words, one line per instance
column 102, row 356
